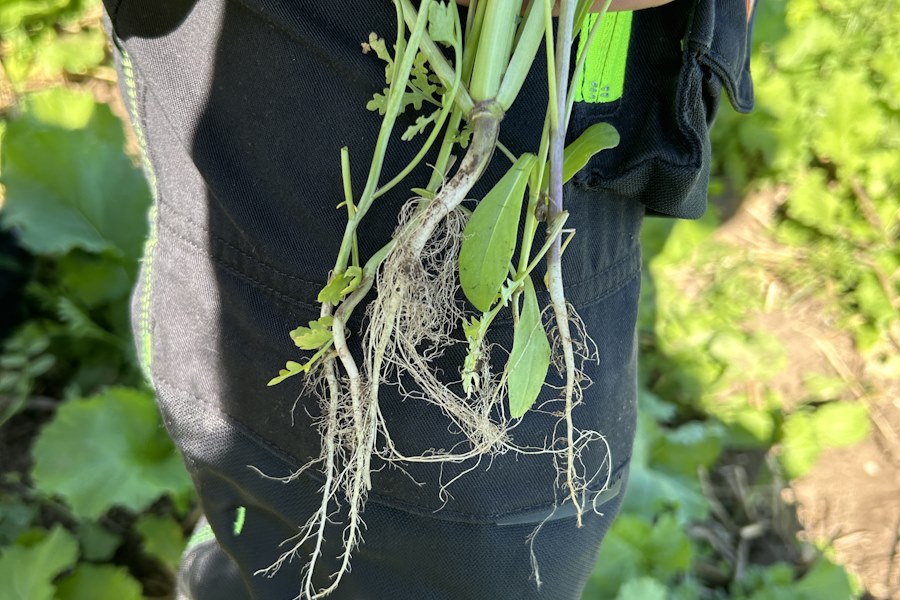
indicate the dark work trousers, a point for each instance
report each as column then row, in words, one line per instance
column 241, row 107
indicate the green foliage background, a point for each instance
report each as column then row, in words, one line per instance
column 100, row 506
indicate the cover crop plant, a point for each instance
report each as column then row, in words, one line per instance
column 439, row 246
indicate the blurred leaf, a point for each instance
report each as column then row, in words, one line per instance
column 105, row 451
column 807, row 433
column 69, row 109
column 74, row 53
column 97, row 542
column 99, row 582
column 27, row 572
column 642, row 588
column 74, row 189
column 163, row 538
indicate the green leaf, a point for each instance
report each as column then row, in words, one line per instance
column 490, row 236
column 315, row 336
column 62, row 107
column 97, row 542
column 108, row 450
column 75, row 53
column 442, row 23
column 99, row 582
column 597, row 137
column 163, row 538
column 806, row 434
column 290, row 369
column 530, row 356
column 27, row 572
column 824, row 580
column 341, row 285
column 74, row 189
column 642, row 588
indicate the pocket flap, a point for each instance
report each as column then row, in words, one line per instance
column 720, row 34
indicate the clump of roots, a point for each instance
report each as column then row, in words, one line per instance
column 413, row 324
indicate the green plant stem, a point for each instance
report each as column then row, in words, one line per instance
column 348, row 198
column 526, row 49
column 494, row 47
column 446, row 109
column 554, row 270
column 436, row 59
column 394, row 105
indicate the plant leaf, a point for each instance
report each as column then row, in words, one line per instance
column 99, row 582
column 490, row 236
column 597, row 137
column 163, row 538
column 27, row 572
column 530, row 356
column 70, row 189
column 108, row 450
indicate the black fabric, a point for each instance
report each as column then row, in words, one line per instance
column 244, row 105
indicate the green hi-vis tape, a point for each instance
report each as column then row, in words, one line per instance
column 603, row 77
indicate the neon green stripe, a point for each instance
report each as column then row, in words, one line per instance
column 239, row 517
column 603, row 78
column 144, row 344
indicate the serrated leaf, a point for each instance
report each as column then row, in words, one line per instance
column 313, row 337
column 489, row 238
column 108, row 450
column 70, row 189
column 163, row 538
column 99, row 582
column 27, row 572
column 290, row 369
column 597, row 137
column 530, row 356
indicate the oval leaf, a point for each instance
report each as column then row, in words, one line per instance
column 530, row 356
column 597, row 137
column 490, row 236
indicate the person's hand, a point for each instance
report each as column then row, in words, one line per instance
column 616, row 4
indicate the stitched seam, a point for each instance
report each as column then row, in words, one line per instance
column 389, row 501
column 231, row 246
column 240, row 274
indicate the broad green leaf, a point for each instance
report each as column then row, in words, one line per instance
column 530, row 356
column 108, row 450
column 642, row 588
column 59, row 106
column 597, row 137
column 97, row 542
column 74, row 189
column 99, row 582
column 489, row 239
column 163, row 538
column 825, row 580
column 27, row 572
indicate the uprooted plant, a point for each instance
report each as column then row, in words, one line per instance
column 439, row 246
